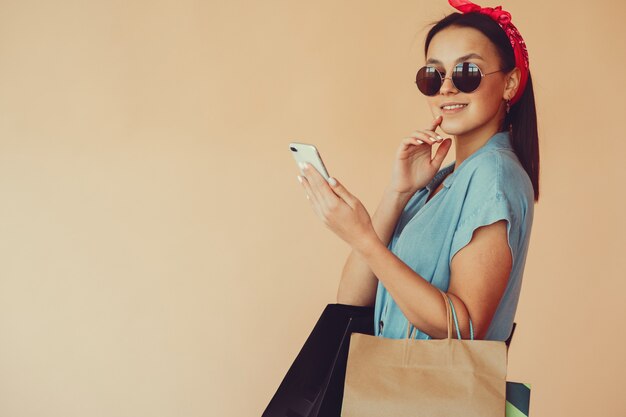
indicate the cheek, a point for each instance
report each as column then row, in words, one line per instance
column 487, row 103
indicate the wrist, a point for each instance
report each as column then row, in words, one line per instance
column 399, row 198
column 368, row 245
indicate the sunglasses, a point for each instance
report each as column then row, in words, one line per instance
column 466, row 77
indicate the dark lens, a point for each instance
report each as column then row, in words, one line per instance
column 428, row 80
column 466, row 77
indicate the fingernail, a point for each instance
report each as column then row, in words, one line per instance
column 332, row 181
column 299, row 178
column 439, row 137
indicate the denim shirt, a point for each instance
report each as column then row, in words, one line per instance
column 488, row 186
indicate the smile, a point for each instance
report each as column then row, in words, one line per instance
column 455, row 106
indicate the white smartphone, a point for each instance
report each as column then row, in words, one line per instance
column 305, row 152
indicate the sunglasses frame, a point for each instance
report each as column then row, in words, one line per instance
column 482, row 75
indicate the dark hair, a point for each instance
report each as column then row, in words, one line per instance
column 522, row 117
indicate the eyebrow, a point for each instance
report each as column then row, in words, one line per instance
column 459, row 59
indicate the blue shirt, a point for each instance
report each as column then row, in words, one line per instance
column 488, row 186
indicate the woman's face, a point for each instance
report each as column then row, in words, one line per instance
column 485, row 106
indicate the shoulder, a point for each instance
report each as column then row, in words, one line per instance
column 493, row 186
column 497, row 174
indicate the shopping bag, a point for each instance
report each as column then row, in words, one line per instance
column 517, row 399
column 313, row 385
column 434, row 378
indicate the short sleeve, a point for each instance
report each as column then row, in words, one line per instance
column 490, row 197
column 483, row 213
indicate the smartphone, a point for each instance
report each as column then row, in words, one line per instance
column 305, row 152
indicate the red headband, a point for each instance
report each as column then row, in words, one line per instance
column 503, row 18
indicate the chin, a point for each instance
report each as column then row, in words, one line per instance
column 453, row 127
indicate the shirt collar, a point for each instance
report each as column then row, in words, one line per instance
column 500, row 140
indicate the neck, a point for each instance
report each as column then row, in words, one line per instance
column 467, row 143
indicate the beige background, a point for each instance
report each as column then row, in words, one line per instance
column 157, row 254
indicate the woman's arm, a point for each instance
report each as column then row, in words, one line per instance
column 414, row 167
column 479, row 274
column 358, row 283
column 479, row 270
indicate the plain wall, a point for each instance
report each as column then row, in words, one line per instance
column 158, row 256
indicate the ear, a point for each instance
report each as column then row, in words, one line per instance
column 512, row 83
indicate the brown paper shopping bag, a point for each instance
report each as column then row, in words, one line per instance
column 425, row 378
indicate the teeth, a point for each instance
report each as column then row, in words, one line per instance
column 456, row 106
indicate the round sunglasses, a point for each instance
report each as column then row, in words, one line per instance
column 466, row 77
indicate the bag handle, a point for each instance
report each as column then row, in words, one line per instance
column 456, row 321
column 449, row 305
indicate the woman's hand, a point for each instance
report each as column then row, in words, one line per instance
column 340, row 211
column 414, row 168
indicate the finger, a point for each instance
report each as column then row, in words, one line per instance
column 307, row 186
column 319, row 186
column 425, row 136
column 414, row 141
column 343, row 193
column 309, row 195
column 433, row 126
column 436, row 122
column 432, row 136
column 435, row 137
column 441, row 153
column 310, row 185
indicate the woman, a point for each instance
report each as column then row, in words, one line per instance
column 464, row 228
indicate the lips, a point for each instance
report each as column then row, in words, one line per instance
column 452, row 104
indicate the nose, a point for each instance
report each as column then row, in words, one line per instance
column 447, row 86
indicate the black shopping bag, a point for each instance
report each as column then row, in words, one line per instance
column 313, row 386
